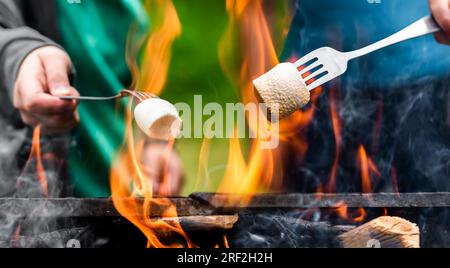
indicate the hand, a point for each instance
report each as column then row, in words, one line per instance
column 441, row 12
column 42, row 76
column 162, row 165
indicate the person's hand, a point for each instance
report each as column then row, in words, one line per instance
column 162, row 165
column 42, row 77
column 441, row 12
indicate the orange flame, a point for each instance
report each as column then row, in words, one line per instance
column 131, row 183
column 248, row 46
column 336, row 121
column 354, row 216
column 367, row 167
column 157, row 53
column 248, row 27
column 225, row 242
column 36, row 155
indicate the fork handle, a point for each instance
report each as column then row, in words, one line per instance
column 89, row 98
column 425, row 25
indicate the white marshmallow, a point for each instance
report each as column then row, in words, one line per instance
column 282, row 89
column 158, row 119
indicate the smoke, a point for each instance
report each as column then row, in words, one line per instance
column 24, row 223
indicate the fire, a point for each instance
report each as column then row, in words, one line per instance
column 354, row 216
column 336, row 121
column 367, row 167
column 131, row 183
column 256, row 52
column 157, row 52
column 225, row 242
column 248, row 25
column 35, row 157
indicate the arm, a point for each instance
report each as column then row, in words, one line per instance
column 441, row 12
column 33, row 70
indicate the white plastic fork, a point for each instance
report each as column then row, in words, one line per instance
column 326, row 63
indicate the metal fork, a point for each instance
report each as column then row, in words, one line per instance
column 326, row 63
column 139, row 95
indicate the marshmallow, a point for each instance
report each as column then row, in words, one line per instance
column 282, row 89
column 158, row 119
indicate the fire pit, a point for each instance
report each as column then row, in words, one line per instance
column 269, row 220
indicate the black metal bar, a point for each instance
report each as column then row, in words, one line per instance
column 210, row 203
column 99, row 207
column 352, row 200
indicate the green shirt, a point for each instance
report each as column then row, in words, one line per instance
column 94, row 34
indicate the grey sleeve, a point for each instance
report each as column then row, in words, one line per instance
column 16, row 42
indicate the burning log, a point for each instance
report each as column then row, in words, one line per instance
column 202, row 223
column 385, row 232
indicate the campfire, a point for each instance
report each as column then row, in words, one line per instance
column 348, row 196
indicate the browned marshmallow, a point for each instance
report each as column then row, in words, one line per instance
column 282, row 89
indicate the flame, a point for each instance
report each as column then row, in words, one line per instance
column 36, row 157
column 131, row 183
column 361, row 217
column 202, row 179
column 247, row 45
column 353, row 216
column 157, row 52
column 15, row 238
column 225, row 241
column 342, row 210
column 367, row 167
column 247, row 178
column 248, row 27
column 336, row 121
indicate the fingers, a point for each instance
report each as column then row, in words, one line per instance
column 57, row 66
column 44, row 104
column 441, row 38
column 42, row 78
column 441, row 12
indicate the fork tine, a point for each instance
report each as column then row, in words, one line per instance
column 134, row 94
column 319, row 82
column 310, row 67
column 313, row 74
column 305, row 59
column 141, row 95
column 147, row 95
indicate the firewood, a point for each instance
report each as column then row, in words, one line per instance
column 201, row 223
column 384, row 232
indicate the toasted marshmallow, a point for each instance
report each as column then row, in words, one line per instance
column 282, row 89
